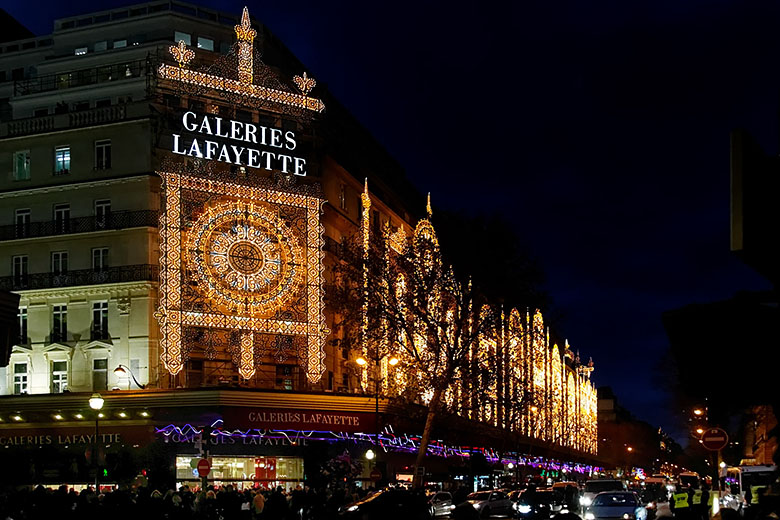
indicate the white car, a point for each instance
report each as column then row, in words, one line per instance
column 491, row 503
column 594, row 487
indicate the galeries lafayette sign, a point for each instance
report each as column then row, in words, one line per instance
column 299, row 420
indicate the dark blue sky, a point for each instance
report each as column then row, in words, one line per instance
column 600, row 128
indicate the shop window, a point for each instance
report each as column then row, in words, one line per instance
column 22, row 165
column 100, row 374
column 284, row 377
column 59, row 376
column 62, row 160
column 20, row 378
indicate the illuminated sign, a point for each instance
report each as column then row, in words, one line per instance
column 240, row 143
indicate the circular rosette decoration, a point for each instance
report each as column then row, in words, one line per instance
column 245, row 257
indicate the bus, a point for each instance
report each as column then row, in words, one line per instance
column 742, row 485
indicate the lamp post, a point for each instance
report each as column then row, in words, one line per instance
column 96, row 403
column 377, row 382
column 124, row 370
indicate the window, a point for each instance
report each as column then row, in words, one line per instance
column 205, row 43
column 100, row 259
column 345, row 381
column 103, row 103
column 22, row 165
column 59, row 376
column 59, row 262
column 80, row 105
column 22, row 221
column 61, row 218
column 103, row 154
column 330, row 380
column 284, row 377
column 101, row 46
column 20, row 378
column 17, row 74
column 62, row 160
column 20, row 271
column 118, row 44
column 179, row 36
column 59, row 329
column 99, row 320
column 102, row 212
column 343, row 197
column 40, row 112
column 21, row 316
column 100, row 374
column 80, row 51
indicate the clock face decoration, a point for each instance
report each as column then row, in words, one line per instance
column 245, row 257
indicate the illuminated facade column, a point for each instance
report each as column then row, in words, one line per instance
column 365, row 228
column 245, row 36
column 246, row 367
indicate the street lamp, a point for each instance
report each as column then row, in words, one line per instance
column 96, row 403
column 370, row 454
column 698, row 412
column 393, row 361
column 124, row 371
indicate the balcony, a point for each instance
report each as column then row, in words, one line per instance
column 111, row 221
column 78, row 119
column 80, row 78
column 125, row 273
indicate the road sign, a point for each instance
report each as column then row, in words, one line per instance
column 204, row 467
column 375, row 475
column 714, row 439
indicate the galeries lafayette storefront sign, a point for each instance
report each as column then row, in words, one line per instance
column 299, row 420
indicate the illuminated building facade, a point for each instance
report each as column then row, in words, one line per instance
column 176, row 189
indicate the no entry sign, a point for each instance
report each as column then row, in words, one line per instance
column 714, row 439
column 204, row 467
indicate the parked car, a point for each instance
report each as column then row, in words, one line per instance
column 440, row 504
column 594, row 487
column 491, row 503
column 616, row 505
column 387, row 504
column 539, row 504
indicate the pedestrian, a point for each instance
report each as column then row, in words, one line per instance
column 258, row 504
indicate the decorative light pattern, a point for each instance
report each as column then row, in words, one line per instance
column 230, row 252
column 244, row 86
column 365, row 201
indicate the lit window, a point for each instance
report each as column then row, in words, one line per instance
column 103, row 154
column 118, row 44
column 80, row 51
column 22, row 165
column 182, row 36
column 59, row 376
column 205, row 43
column 62, row 160
column 20, row 378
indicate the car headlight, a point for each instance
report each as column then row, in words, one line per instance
column 590, row 516
column 352, row 508
column 626, row 516
column 523, row 508
column 585, row 501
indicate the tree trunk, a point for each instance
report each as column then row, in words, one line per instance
column 426, row 436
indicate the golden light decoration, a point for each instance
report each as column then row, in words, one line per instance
column 244, row 86
column 181, row 53
column 237, row 248
column 305, row 83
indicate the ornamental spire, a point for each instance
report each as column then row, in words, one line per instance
column 244, row 32
column 428, row 206
column 245, row 36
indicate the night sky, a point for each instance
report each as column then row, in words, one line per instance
column 600, row 128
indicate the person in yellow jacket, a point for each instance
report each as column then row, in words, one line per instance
column 681, row 503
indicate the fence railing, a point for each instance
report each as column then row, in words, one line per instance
column 111, row 220
column 125, row 273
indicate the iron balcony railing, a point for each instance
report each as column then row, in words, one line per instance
column 125, row 273
column 111, row 220
column 80, row 78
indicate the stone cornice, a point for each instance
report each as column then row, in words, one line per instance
column 88, row 290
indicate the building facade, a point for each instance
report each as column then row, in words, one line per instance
column 175, row 187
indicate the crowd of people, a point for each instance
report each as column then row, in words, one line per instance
column 224, row 503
